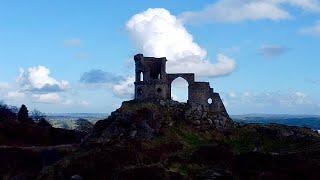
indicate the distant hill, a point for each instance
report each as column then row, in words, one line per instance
column 170, row 140
column 310, row 121
column 68, row 120
column 75, row 116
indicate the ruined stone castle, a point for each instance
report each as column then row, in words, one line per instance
column 153, row 83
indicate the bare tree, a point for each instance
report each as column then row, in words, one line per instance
column 37, row 115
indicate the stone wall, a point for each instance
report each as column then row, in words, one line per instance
column 153, row 83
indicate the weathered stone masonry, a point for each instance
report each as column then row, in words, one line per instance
column 153, row 83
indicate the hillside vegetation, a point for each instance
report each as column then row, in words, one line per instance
column 169, row 140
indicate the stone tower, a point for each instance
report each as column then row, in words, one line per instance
column 151, row 78
column 153, row 83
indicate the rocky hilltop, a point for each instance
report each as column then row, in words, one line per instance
column 171, row 140
column 147, row 120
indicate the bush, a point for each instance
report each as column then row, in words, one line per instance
column 44, row 123
column 84, row 125
column 7, row 112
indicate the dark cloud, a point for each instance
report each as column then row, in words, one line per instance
column 97, row 76
column 47, row 88
column 270, row 50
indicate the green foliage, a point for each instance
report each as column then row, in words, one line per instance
column 280, row 144
column 84, row 125
column 186, row 169
column 246, row 139
column 44, row 123
column 192, row 139
column 243, row 141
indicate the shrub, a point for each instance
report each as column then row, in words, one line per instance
column 6, row 112
column 84, row 125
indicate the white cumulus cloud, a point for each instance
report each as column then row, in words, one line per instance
column 84, row 103
column 124, row 88
column 69, row 102
column 309, row 5
column 38, row 80
column 15, row 95
column 157, row 33
column 236, row 11
column 243, row 10
column 265, row 99
column 50, row 98
column 4, row 85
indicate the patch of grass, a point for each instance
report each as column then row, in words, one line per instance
column 274, row 145
column 246, row 139
column 186, row 169
column 243, row 141
column 192, row 139
column 241, row 146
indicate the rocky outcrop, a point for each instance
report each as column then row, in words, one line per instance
column 146, row 120
column 170, row 140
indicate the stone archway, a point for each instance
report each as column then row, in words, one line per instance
column 188, row 77
column 179, row 90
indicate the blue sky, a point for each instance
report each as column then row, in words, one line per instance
column 76, row 56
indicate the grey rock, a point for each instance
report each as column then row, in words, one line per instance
column 76, row 177
column 197, row 122
column 133, row 134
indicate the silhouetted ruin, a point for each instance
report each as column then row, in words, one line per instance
column 153, row 83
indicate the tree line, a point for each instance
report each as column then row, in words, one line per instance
column 12, row 113
column 22, row 114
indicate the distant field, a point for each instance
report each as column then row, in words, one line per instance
column 310, row 121
column 67, row 120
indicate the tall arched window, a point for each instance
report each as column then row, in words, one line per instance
column 179, row 90
column 141, row 76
